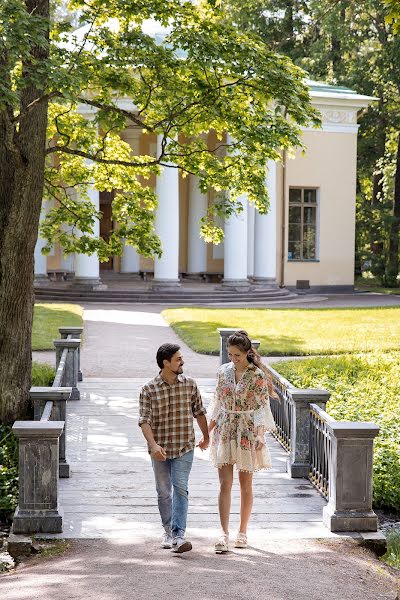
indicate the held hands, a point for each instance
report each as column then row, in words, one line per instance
column 158, row 452
column 203, row 443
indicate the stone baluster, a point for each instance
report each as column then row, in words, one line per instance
column 74, row 332
column 299, row 457
column 38, row 510
column 350, row 477
column 59, row 397
column 71, row 364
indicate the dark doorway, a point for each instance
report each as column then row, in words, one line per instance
column 106, row 225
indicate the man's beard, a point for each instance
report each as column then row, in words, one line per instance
column 178, row 371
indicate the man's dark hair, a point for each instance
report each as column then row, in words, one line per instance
column 166, row 352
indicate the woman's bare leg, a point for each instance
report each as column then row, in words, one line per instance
column 224, row 499
column 246, row 499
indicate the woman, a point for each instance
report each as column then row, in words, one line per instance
column 240, row 416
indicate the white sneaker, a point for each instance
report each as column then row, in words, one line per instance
column 221, row 545
column 181, row 545
column 166, row 541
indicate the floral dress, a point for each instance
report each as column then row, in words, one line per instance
column 239, row 409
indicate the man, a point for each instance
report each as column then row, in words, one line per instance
column 167, row 405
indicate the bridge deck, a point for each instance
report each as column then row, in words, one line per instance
column 111, row 494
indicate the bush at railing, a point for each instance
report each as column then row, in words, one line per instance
column 42, row 375
column 364, row 387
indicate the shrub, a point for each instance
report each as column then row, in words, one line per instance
column 364, row 387
column 392, row 556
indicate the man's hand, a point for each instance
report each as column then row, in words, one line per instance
column 204, row 443
column 158, row 452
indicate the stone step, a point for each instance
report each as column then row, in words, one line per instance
column 174, row 297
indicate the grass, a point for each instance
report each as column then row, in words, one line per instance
column 364, row 387
column 292, row 332
column 392, row 556
column 371, row 284
column 48, row 318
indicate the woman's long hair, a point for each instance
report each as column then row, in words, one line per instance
column 241, row 340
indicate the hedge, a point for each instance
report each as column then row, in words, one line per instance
column 364, row 387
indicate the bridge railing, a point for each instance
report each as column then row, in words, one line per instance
column 42, row 443
column 336, row 456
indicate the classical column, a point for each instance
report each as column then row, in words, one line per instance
column 87, row 269
column 265, row 236
column 251, row 213
column 235, row 249
column 40, row 259
column 130, row 259
column 166, row 268
column 197, row 248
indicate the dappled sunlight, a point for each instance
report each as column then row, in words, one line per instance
column 125, row 317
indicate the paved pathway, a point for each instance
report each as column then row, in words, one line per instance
column 111, row 490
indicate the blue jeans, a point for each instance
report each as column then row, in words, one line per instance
column 172, row 476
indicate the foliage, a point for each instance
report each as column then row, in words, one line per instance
column 392, row 556
column 353, row 44
column 8, row 470
column 292, row 332
column 174, row 69
column 364, row 387
column 48, row 318
column 42, row 375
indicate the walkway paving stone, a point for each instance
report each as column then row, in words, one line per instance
column 111, row 493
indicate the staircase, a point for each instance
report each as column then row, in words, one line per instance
column 202, row 294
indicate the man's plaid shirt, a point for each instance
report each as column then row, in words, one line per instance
column 169, row 410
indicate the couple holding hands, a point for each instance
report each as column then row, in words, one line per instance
column 239, row 414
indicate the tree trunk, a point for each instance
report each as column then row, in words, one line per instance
column 392, row 267
column 22, row 161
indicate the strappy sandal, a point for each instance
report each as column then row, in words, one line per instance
column 241, row 540
column 221, row 545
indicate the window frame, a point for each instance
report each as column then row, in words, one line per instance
column 301, row 205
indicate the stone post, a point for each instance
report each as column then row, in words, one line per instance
column 350, row 477
column 38, row 510
column 59, row 397
column 70, row 378
column 299, row 457
column 223, row 352
column 74, row 332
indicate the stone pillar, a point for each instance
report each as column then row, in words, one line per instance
column 130, row 259
column 251, row 213
column 166, row 268
column 223, row 352
column 67, row 374
column 235, row 249
column 299, row 458
column 74, row 332
column 38, row 510
column 350, row 477
column 87, row 269
column 59, row 397
column 197, row 248
column 41, row 277
column 265, row 236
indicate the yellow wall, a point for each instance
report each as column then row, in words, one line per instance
column 330, row 165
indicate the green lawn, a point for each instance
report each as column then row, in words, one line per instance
column 292, row 332
column 48, row 318
column 364, row 387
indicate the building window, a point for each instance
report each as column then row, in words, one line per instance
column 303, row 208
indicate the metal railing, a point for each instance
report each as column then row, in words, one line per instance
column 320, row 449
column 282, row 408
